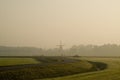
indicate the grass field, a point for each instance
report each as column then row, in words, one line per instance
column 48, row 68
column 111, row 73
column 17, row 61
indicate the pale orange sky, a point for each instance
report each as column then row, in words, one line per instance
column 43, row 23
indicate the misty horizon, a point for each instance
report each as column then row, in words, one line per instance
column 56, row 46
column 80, row 50
column 43, row 23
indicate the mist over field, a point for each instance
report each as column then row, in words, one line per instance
column 106, row 50
column 59, row 39
column 43, row 23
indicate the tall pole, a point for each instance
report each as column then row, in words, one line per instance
column 61, row 48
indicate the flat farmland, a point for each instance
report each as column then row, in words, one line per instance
column 17, row 61
column 49, row 67
column 112, row 72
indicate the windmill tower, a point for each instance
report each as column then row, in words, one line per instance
column 60, row 48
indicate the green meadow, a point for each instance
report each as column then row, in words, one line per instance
column 112, row 72
column 17, row 61
column 60, row 68
column 49, row 67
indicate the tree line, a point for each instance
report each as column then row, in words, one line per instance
column 80, row 50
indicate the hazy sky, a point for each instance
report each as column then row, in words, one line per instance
column 43, row 23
